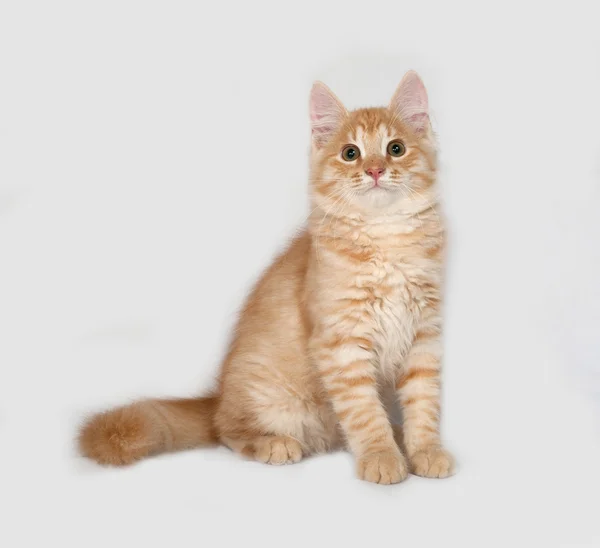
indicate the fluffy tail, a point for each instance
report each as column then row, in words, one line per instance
column 126, row 434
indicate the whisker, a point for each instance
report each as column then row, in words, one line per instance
column 428, row 203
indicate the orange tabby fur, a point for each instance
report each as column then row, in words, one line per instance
column 353, row 303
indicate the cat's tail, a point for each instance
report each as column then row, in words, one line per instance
column 126, row 434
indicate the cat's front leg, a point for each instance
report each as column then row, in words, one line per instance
column 348, row 374
column 418, row 389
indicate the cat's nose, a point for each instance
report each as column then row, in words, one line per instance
column 375, row 172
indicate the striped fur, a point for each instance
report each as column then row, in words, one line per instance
column 353, row 304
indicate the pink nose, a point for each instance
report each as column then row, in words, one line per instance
column 375, row 172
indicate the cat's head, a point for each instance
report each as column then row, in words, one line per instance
column 375, row 159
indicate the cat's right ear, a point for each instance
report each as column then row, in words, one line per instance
column 327, row 114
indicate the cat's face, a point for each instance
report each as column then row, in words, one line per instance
column 375, row 159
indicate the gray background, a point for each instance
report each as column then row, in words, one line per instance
column 153, row 158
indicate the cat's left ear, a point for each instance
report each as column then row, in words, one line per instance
column 410, row 102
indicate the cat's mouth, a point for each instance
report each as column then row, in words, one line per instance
column 381, row 186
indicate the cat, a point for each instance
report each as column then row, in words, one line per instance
column 353, row 305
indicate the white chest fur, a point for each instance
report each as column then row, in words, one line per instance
column 395, row 310
column 390, row 283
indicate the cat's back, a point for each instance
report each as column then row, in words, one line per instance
column 273, row 314
column 281, row 285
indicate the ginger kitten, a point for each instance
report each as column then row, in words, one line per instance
column 353, row 303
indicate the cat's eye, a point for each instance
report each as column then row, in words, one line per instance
column 396, row 148
column 350, row 153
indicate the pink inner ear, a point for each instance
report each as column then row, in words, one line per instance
column 410, row 101
column 418, row 121
column 321, row 102
column 326, row 113
column 322, row 132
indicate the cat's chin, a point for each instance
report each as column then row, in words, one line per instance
column 379, row 197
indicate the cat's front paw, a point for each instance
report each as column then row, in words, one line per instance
column 432, row 462
column 384, row 467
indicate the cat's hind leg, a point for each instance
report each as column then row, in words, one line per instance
column 267, row 449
